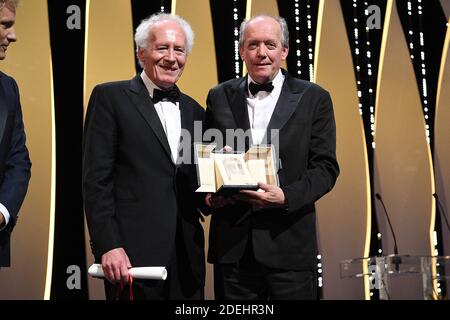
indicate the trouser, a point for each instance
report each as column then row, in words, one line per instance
column 250, row 280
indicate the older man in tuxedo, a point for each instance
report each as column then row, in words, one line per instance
column 14, row 160
column 139, row 199
column 263, row 244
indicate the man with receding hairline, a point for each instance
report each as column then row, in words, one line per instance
column 14, row 160
column 263, row 243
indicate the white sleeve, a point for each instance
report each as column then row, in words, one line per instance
column 5, row 214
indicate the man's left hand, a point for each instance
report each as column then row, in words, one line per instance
column 272, row 197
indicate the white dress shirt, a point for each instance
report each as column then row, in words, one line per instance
column 260, row 108
column 169, row 114
column 5, row 213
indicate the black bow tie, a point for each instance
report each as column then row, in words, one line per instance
column 172, row 95
column 255, row 88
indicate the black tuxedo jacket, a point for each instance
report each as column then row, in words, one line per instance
column 14, row 160
column 133, row 191
column 282, row 238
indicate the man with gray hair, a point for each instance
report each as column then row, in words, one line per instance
column 14, row 160
column 263, row 243
column 139, row 200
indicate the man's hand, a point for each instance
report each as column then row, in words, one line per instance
column 115, row 264
column 272, row 197
column 217, row 202
column 226, row 149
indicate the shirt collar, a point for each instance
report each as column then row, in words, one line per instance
column 277, row 82
column 149, row 83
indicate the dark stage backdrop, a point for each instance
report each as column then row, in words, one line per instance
column 424, row 32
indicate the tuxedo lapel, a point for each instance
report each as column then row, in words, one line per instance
column 3, row 109
column 187, row 138
column 238, row 104
column 187, row 117
column 141, row 99
column 286, row 105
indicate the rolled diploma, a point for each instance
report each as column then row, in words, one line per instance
column 152, row 273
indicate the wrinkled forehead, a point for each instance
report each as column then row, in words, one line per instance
column 9, row 4
column 264, row 22
column 262, row 26
column 166, row 27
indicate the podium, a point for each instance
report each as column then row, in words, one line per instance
column 402, row 277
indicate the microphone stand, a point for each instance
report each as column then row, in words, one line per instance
column 395, row 259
